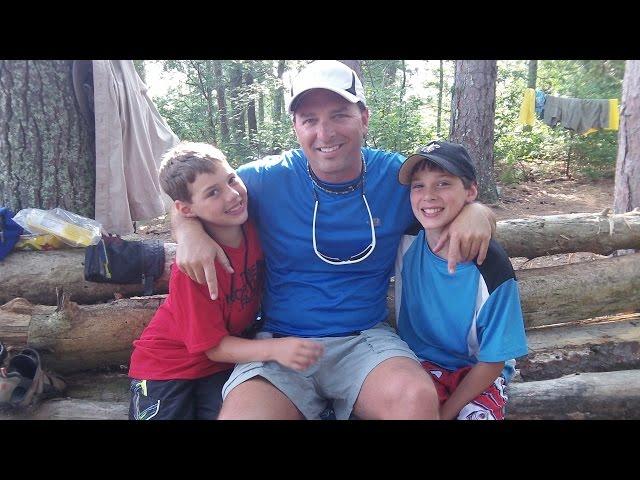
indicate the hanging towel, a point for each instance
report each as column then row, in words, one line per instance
column 528, row 108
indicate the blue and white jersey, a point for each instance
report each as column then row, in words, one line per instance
column 304, row 296
column 458, row 320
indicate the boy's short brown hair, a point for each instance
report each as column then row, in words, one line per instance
column 181, row 164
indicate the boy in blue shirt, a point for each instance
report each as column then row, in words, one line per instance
column 464, row 327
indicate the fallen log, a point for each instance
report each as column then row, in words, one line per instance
column 580, row 290
column 74, row 337
column 35, row 276
column 600, row 233
column 582, row 396
column 582, row 347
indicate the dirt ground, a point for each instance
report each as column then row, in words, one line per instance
column 527, row 199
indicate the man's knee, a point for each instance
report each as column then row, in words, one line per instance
column 412, row 393
column 400, row 389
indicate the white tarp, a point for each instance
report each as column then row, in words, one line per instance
column 131, row 137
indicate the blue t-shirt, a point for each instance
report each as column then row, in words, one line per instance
column 458, row 320
column 304, row 296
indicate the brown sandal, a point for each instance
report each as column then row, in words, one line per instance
column 23, row 383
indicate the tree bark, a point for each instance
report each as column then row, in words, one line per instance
column 580, row 290
column 585, row 396
column 582, row 347
column 36, row 275
column 72, row 337
column 46, row 154
column 601, row 233
column 627, row 187
column 472, row 118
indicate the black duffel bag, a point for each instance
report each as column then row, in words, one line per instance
column 115, row 260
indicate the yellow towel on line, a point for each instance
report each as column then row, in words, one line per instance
column 528, row 107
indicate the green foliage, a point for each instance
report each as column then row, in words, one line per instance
column 395, row 123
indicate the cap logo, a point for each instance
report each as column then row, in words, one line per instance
column 430, row 148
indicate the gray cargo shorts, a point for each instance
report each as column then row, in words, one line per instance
column 338, row 375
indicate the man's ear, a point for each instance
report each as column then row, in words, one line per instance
column 184, row 208
column 472, row 193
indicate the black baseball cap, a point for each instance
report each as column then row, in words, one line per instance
column 452, row 157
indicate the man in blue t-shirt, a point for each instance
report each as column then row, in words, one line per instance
column 330, row 217
column 463, row 327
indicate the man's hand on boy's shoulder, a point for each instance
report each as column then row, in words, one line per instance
column 468, row 235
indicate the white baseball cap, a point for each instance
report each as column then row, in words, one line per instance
column 330, row 75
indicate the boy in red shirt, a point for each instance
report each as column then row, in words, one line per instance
column 186, row 353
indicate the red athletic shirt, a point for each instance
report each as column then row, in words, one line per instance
column 189, row 323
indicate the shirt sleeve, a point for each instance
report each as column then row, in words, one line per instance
column 201, row 320
column 501, row 326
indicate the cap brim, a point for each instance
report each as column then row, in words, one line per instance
column 293, row 101
column 404, row 175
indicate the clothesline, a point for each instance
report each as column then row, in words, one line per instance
column 583, row 116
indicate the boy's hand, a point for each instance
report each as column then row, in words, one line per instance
column 297, row 353
column 468, row 235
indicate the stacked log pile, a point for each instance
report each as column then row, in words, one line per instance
column 574, row 368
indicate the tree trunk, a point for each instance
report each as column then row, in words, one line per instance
column 472, row 118
column 46, row 154
column 36, row 275
column 627, row 188
column 251, row 110
column 391, row 68
column 237, row 109
column 278, row 95
column 600, row 233
column 222, row 104
column 533, row 74
column 203, row 70
column 440, row 94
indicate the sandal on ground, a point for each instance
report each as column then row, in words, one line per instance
column 23, row 383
